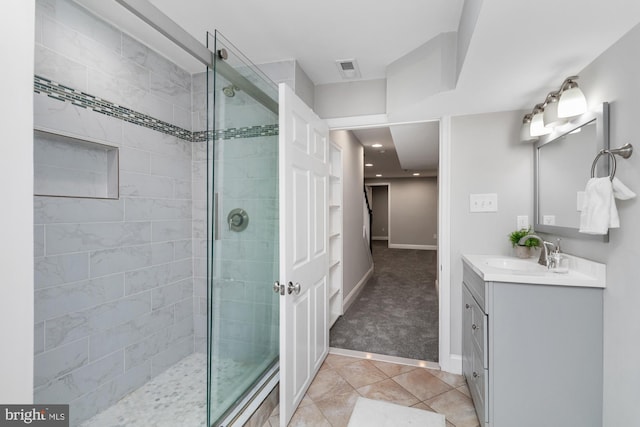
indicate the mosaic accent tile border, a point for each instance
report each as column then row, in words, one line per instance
column 78, row 98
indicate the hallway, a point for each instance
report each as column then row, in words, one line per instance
column 396, row 313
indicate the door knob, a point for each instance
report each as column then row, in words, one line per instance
column 278, row 288
column 291, row 288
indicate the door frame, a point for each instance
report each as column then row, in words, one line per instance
column 448, row 361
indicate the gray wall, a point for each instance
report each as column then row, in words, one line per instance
column 613, row 77
column 380, row 207
column 355, row 250
column 414, row 211
column 351, row 99
column 486, row 157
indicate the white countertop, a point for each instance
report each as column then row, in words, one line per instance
column 582, row 272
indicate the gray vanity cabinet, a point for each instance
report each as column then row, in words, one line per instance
column 532, row 354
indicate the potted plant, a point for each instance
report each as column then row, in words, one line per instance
column 522, row 251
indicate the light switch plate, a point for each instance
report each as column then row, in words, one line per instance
column 522, row 221
column 549, row 219
column 483, row 202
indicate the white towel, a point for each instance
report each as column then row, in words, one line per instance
column 621, row 191
column 599, row 211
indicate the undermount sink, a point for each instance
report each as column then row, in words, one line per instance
column 514, row 264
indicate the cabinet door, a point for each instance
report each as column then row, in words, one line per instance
column 467, row 345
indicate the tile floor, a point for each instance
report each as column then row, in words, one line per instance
column 333, row 393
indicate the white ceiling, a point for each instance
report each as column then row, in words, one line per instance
column 518, row 53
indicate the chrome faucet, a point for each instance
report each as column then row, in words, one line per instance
column 544, row 253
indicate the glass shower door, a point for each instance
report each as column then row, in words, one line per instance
column 242, row 226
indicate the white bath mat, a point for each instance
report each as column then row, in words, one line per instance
column 377, row 413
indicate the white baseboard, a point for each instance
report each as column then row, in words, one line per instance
column 349, row 299
column 419, row 247
column 452, row 363
column 379, row 237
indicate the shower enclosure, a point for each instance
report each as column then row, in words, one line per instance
column 242, row 201
column 155, row 223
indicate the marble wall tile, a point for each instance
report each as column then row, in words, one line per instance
column 147, row 278
column 183, row 189
column 56, row 270
column 149, row 140
column 114, row 337
column 139, row 209
column 162, row 253
column 166, row 165
column 51, row 114
column 51, row 210
column 80, row 324
column 183, row 249
column 56, row 67
column 59, row 300
column 79, row 19
column 182, row 118
column 149, row 59
column 139, row 353
column 38, row 338
column 78, row 47
column 165, row 89
column 60, row 361
column 142, row 185
column 169, row 357
column 110, row 261
column 184, row 309
column 81, row 380
column 133, row 160
column 65, row 238
column 51, row 180
column 38, row 27
column 38, row 241
column 163, row 296
column 106, row 395
column 181, row 270
column 171, row 230
column 200, row 287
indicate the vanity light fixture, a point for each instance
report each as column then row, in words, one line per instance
column 416, row 174
column 378, row 175
column 550, row 116
column 368, row 165
column 377, row 145
column 572, row 101
column 525, row 130
column 537, row 122
column 557, row 108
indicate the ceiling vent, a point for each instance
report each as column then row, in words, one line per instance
column 348, row 69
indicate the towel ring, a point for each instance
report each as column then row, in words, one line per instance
column 613, row 163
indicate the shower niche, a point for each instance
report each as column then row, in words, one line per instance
column 70, row 167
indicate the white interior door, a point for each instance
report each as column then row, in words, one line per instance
column 304, row 207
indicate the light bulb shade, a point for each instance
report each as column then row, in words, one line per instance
column 525, row 133
column 537, row 125
column 572, row 103
column 550, row 116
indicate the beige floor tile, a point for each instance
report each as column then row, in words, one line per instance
column 464, row 389
column 390, row 391
column 392, row 369
column 361, row 373
column 424, row 406
column 326, row 384
column 336, row 361
column 337, row 409
column 448, row 425
column 457, row 407
column 422, row 384
column 453, row 380
column 306, row 400
column 309, row 416
column 274, row 420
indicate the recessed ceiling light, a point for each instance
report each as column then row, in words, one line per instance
column 377, row 145
column 416, row 174
column 368, row 164
column 378, row 175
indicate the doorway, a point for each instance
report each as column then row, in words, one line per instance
column 405, row 260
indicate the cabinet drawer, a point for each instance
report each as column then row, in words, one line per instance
column 475, row 284
column 475, row 326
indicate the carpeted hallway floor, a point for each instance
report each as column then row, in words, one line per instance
column 397, row 312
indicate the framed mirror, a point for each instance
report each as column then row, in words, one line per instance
column 562, row 167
